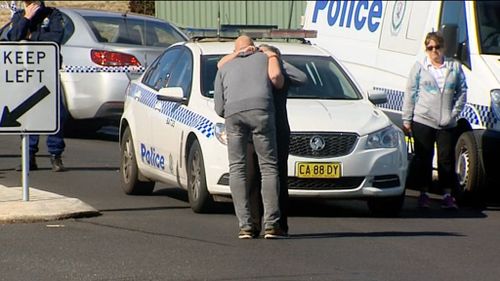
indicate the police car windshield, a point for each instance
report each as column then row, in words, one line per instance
column 325, row 78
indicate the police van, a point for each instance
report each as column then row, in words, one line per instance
column 379, row 41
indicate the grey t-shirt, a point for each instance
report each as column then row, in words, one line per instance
column 243, row 84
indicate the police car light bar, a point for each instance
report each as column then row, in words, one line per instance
column 195, row 33
column 255, row 33
column 283, row 34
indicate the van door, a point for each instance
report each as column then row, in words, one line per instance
column 401, row 40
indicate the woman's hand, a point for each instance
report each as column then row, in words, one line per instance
column 407, row 128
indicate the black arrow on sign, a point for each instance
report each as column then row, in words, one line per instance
column 9, row 119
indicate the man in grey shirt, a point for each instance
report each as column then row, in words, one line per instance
column 243, row 96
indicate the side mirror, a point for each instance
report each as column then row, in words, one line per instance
column 173, row 94
column 377, row 96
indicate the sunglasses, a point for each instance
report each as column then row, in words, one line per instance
column 430, row 48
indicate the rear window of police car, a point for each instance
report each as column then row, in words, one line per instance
column 133, row 31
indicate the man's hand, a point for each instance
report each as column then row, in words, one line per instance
column 30, row 10
column 243, row 51
column 249, row 49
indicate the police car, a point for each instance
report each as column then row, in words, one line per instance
column 101, row 52
column 341, row 146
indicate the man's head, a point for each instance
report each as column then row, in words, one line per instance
column 242, row 42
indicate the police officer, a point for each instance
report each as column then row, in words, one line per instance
column 36, row 22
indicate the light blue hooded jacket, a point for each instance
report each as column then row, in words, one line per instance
column 425, row 103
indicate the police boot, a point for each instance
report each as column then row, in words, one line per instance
column 57, row 164
column 33, row 165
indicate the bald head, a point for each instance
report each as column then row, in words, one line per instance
column 242, row 42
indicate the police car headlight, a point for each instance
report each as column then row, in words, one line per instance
column 220, row 133
column 385, row 138
column 495, row 102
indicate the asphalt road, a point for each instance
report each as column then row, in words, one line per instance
column 158, row 237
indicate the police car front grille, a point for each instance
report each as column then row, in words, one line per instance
column 336, row 144
column 325, row 184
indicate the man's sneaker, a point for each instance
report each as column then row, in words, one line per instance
column 57, row 164
column 275, row 233
column 245, row 234
column 424, row 201
column 449, row 202
column 33, row 165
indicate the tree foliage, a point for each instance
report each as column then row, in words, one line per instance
column 142, row 7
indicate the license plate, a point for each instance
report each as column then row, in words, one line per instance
column 318, row 170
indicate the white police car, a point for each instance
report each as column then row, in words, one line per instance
column 341, row 146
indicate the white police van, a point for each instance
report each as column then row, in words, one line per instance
column 341, row 144
column 379, row 41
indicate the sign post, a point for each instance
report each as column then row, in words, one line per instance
column 25, row 166
column 29, row 95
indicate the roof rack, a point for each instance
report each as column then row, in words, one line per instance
column 256, row 32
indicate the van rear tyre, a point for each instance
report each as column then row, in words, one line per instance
column 469, row 168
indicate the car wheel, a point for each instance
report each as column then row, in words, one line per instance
column 129, row 171
column 200, row 200
column 386, row 206
column 469, row 168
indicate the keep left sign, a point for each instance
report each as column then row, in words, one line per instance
column 29, row 88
